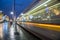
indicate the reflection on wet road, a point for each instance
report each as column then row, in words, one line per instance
column 24, row 35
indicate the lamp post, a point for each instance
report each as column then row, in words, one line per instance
column 14, row 19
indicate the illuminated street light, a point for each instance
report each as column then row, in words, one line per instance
column 12, row 13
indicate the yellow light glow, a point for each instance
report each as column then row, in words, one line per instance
column 45, row 26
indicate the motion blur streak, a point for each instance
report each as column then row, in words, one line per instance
column 46, row 26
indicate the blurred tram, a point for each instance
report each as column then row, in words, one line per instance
column 50, row 13
column 44, row 20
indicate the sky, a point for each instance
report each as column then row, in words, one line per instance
column 20, row 5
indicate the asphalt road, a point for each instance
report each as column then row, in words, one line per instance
column 23, row 35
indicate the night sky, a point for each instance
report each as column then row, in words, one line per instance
column 20, row 5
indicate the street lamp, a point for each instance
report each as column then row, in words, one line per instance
column 12, row 13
